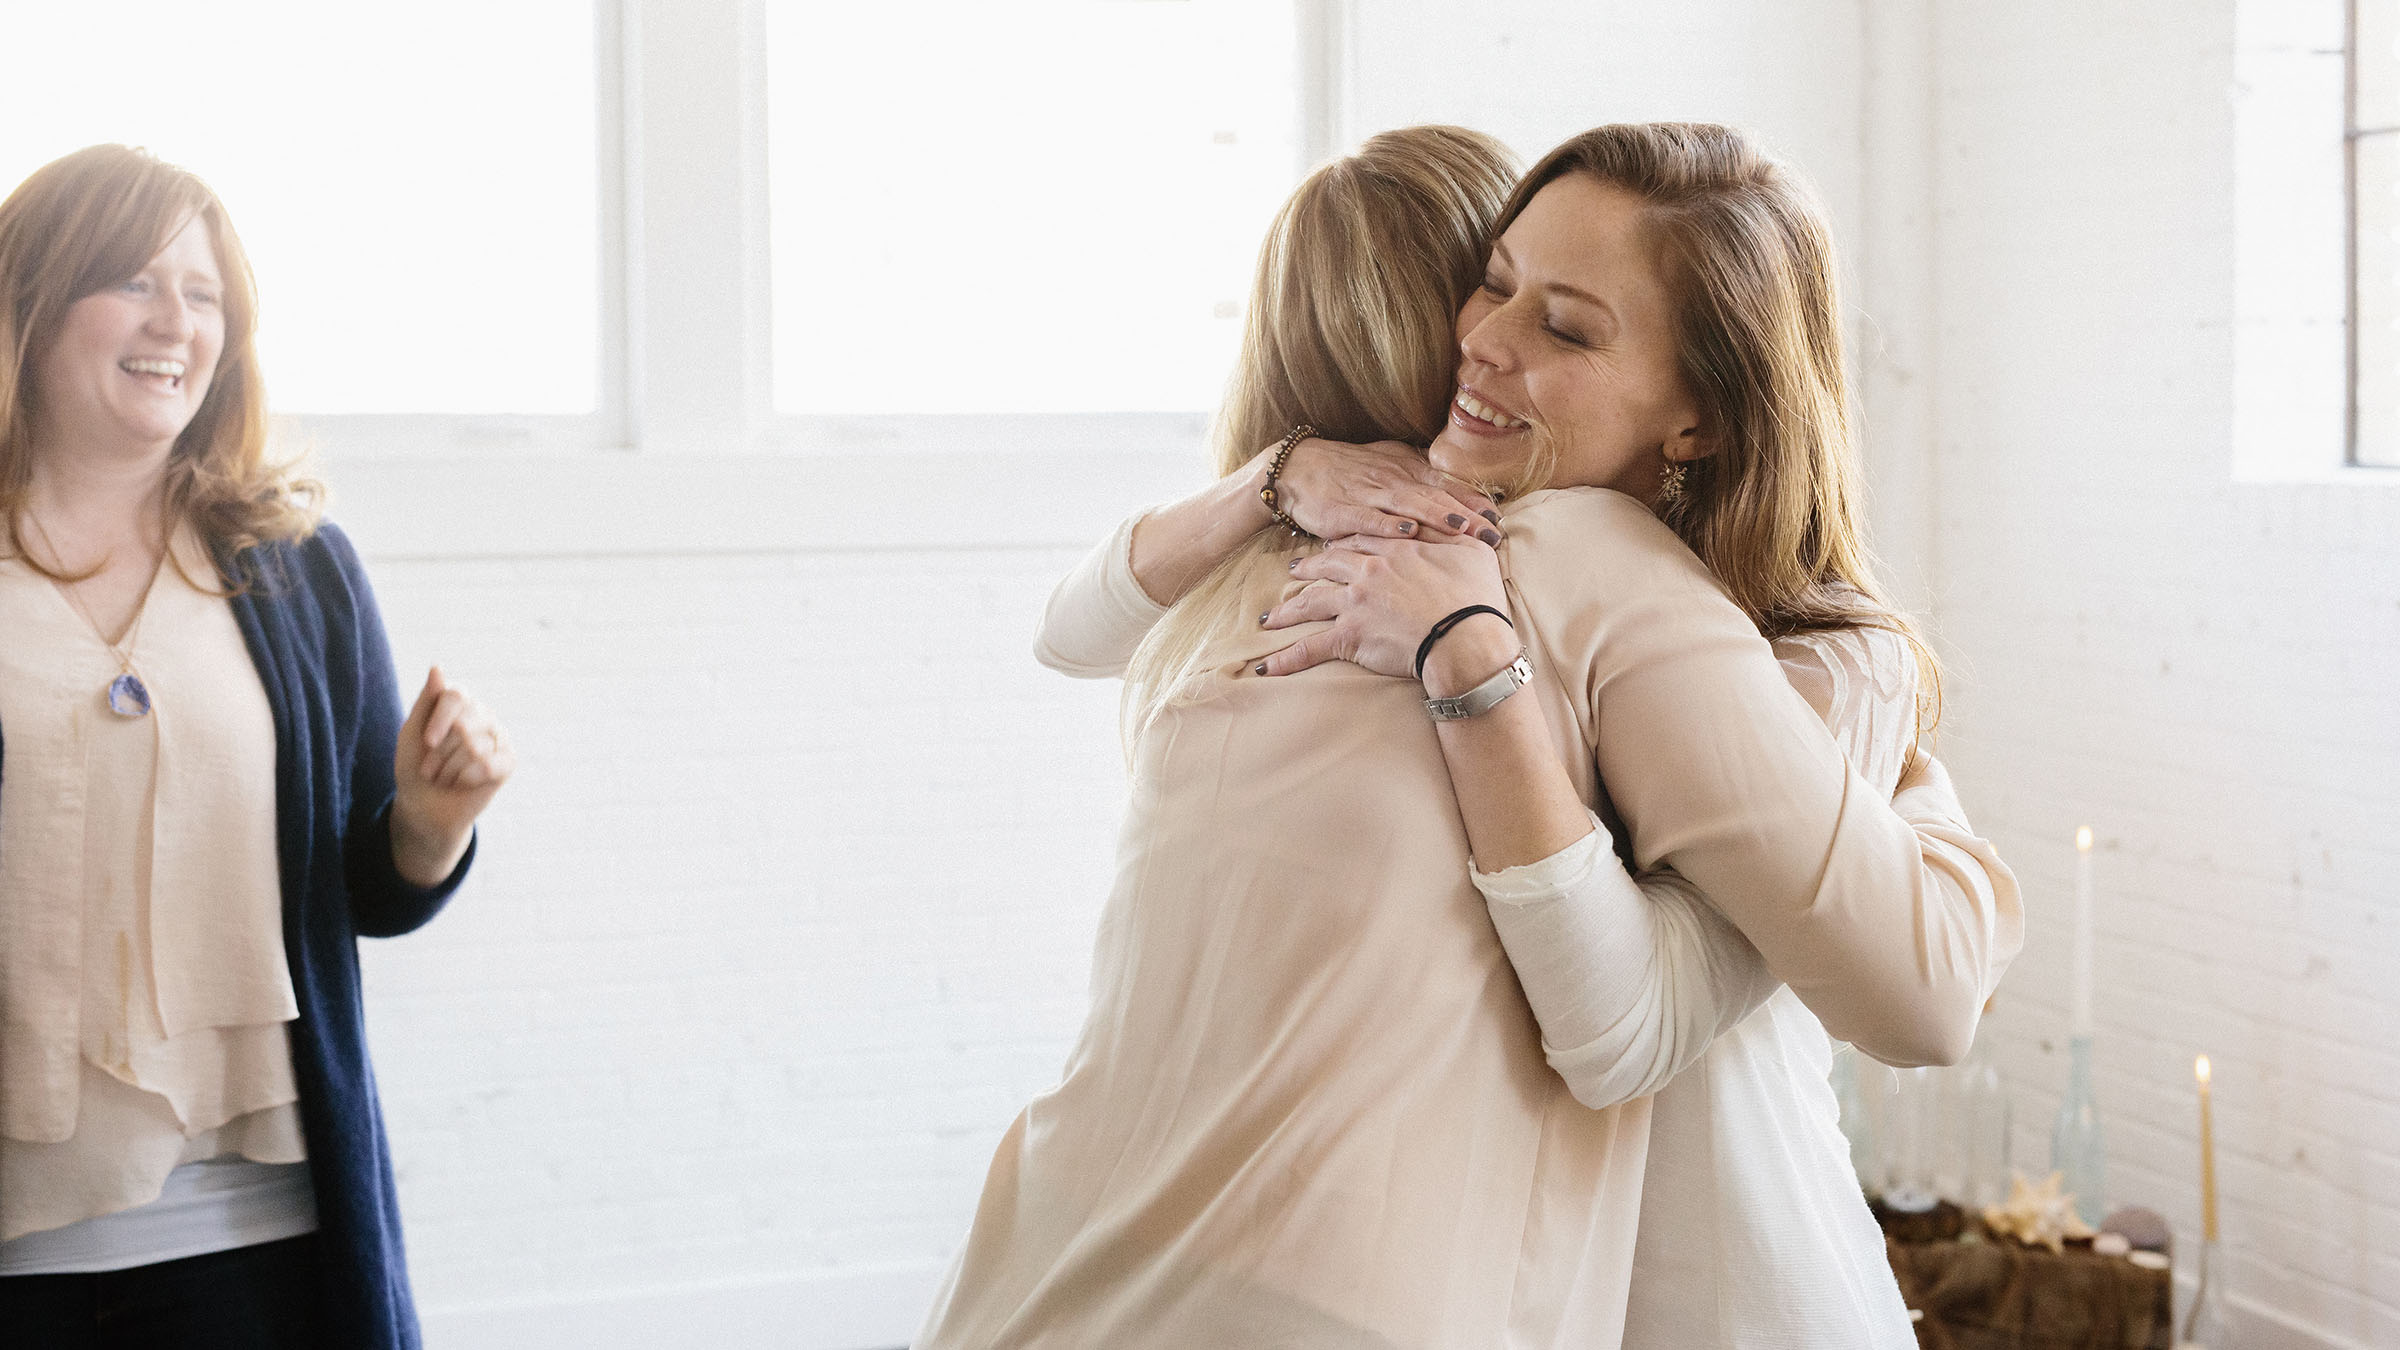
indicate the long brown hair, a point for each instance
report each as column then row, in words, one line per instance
column 1349, row 330
column 1777, row 511
column 87, row 221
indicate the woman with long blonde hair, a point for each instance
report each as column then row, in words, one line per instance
column 208, row 794
column 1376, row 1005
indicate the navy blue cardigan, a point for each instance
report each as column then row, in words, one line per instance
column 317, row 639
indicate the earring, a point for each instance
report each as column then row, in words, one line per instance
column 1670, row 484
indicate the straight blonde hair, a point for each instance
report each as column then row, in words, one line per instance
column 87, row 221
column 1777, row 511
column 1349, row 330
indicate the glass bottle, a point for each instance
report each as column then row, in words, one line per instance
column 1914, row 1137
column 1857, row 1126
column 1975, row 1167
column 2077, row 1149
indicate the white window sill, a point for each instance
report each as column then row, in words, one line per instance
column 2338, row 475
column 529, row 504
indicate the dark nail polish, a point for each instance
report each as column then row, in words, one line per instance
column 1491, row 537
column 1492, row 516
column 1262, row 620
column 1456, row 522
column 1259, row 669
column 1408, row 527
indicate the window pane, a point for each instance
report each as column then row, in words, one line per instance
column 2378, row 64
column 1049, row 206
column 417, row 185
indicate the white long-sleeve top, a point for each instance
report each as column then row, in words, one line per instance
column 1752, row 1231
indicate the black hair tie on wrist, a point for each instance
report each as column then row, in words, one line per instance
column 1449, row 621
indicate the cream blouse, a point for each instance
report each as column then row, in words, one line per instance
column 1752, row 1232
column 1309, row 1106
column 1894, row 939
column 145, row 999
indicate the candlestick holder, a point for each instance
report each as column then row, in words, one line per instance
column 2078, row 1150
column 2204, row 1321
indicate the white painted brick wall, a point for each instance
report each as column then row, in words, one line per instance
column 786, row 915
column 2201, row 669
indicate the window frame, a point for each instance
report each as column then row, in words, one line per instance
column 2354, row 454
column 2294, row 325
column 345, row 439
column 686, row 377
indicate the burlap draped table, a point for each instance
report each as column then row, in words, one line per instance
column 1981, row 1292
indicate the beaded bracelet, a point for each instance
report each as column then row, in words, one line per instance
column 1267, row 494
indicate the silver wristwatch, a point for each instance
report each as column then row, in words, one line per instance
column 1487, row 695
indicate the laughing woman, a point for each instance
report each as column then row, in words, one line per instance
column 207, row 795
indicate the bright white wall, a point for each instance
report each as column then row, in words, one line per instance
column 2200, row 668
column 787, row 913
column 1534, row 72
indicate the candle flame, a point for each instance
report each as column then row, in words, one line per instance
column 2200, row 1070
column 2083, row 838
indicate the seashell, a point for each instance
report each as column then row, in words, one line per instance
column 2142, row 1228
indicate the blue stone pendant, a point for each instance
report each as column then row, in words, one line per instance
column 127, row 696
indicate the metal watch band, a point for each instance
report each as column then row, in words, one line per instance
column 1487, row 695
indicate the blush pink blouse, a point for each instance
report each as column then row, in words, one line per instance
column 145, row 998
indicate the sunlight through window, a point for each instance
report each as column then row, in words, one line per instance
column 417, row 186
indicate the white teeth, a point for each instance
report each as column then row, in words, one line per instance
column 171, row 369
column 1478, row 408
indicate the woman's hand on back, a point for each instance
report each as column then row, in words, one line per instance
column 1383, row 596
column 1385, row 489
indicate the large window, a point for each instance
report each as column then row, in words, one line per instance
column 1038, row 207
column 2310, row 314
column 943, row 229
column 2374, row 189
column 417, row 186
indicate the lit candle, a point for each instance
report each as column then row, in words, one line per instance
column 2083, row 930
column 2208, row 1156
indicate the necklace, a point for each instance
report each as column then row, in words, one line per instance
column 127, row 695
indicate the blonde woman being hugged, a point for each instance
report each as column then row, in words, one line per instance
column 1752, row 1232
column 207, row 794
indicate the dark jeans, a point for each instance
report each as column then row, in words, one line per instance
column 250, row 1298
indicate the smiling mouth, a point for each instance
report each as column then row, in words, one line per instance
column 1482, row 416
column 170, row 371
